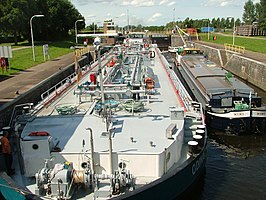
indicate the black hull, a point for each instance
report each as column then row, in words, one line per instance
column 239, row 125
column 175, row 184
column 245, row 125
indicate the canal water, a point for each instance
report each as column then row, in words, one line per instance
column 235, row 167
column 232, row 173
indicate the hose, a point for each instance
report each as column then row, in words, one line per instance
column 130, row 105
column 66, row 110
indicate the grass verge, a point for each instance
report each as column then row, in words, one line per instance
column 22, row 58
column 251, row 44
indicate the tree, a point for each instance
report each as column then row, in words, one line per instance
column 249, row 13
column 223, row 23
column 218, row 22
column 262, row 14
column 59, row 18
column 14, row 16
column 238, row 22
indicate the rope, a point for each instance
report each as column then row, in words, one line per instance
column 131, row 104
column 110, row 103
column 66, row 110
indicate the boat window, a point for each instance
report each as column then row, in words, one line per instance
column 35, row 146
column 227, row 102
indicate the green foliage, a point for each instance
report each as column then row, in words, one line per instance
column 154, row 28
column 249, row 12
column 15, row 15
column 262, row 14
column 198, row 23
column 59, row 18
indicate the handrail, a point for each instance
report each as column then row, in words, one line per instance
column 57, row 89
column 235, row 48
column 182, row 92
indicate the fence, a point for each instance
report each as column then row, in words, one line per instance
column 235, row 48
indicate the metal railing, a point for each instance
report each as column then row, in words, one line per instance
column 60, row 87
column 182, row 92
column 235, row 48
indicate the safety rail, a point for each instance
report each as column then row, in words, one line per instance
column 60, row 87
column 235, row 48
column 81, row 51
column 182, row 92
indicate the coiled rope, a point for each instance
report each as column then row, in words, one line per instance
column 132, row 105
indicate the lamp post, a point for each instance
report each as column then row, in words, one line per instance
column 31, row 32
column 95, row 23
column 79, row 20
column 208, row 28
column 234, row 29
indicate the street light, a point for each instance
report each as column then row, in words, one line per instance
column 95, row 23
column 208, row 28
column 31, row 32
column 79, row 20
column 234, row 29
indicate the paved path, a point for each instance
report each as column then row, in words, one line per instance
column 25, row 80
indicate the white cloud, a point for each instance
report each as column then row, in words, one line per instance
column 86, row 2
column 223, row 3
column 138, row 3
column 134, row 19
column 122, row 15
column 171, row 3
column 163, row 2
column 154, row 17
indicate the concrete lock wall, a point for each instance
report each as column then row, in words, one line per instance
column 248, row 69
column 34, row 95
column 213, row 54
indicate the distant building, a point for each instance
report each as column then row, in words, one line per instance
column 109, row 28
column 249, row 30
column 109, row 35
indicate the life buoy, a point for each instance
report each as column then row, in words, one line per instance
column 39, row 133
column 149, row 83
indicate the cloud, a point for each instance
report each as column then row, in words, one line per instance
column 91, row 16
column 138, row 3
column 86, row 2
column 122, row 14
column 223, row 3
column 163, row 2
column 154, row 17
column 171, row 3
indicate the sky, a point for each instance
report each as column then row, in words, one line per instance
column 157, row 12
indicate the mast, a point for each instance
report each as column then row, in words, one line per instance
column 97, row 42
column 127, row 21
